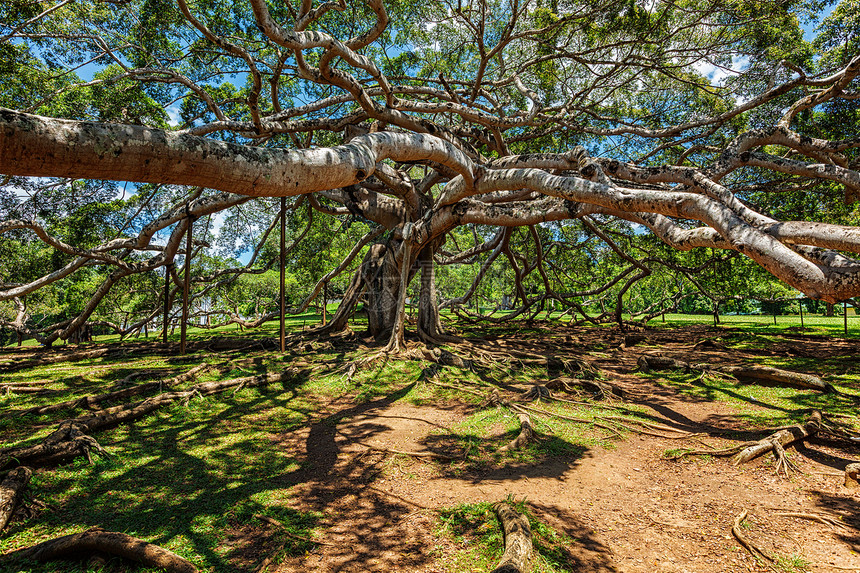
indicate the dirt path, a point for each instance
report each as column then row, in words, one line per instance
column 631, row 510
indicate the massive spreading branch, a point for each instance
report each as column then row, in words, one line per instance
column 502, row 114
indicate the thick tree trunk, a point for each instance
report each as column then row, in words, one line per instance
column 379, row 277
column 429, row 326
column 383, row 289
column 397, row 341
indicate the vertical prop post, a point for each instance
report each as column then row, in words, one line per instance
column 845, row 315
column 186, row 287
column 166, row 302
column 800, row 304
column 283, row 333
column 325, row 302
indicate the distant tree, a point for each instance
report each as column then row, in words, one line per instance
column 709, row 125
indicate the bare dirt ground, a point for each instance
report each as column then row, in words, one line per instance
column 630, row 510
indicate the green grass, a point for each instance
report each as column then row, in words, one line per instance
column 792, row 564
column 763, row 405
column 764, row 323
column 272, row 328
column 186, row 475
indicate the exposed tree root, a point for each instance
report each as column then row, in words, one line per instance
column 489, row 357
column 650, row 362
column 48, row 357
column 766, row 374
column 537, row 392
column 712, row 452
column 596, row 421
column 99, row 541
column 526, row 436
column 93, row 401
column 852, row 476
column 11, row 490
column 781, row 377
column 601, row 390
column 824, row 519
column 8, row 388
column 71, row 438
column 446, row 358
column 647, row 427
column 518, row 540
column 754, row 550
column 610, row 423
column 413, row 454
column 66, row 443
column 777, row 441
column 268, row 560
column 452, row 387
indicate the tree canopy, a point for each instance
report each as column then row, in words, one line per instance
column 602, row 150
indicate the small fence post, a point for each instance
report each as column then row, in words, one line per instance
column 165, row 324
column 283, row 273
column 186, row 288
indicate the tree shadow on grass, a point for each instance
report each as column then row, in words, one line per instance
column 183, row 478
column 559, row 537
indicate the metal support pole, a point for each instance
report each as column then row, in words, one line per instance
column 166, row 302
column 283, row 272
column 325, row 301
column 186, row 288
column 800, row 304
column 845, row 315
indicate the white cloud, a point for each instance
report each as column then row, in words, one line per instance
column 717, row 75
column 173, row 113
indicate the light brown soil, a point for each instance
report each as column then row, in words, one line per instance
column 630, row 510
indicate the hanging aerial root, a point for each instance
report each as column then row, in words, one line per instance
column 100, row 541
column 518, row 540
column 11, row 490
column 754, row 550
column 852, row 476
